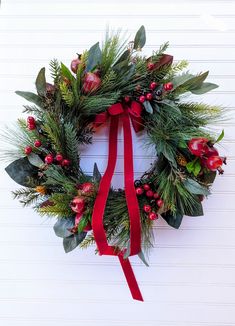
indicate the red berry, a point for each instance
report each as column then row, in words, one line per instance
column 149, row 96
column 37, row 143
column 198, row 146
column 127, row 99
column 168, row 86
column 153, row 216
column 153, row 85
column 65, row 162
column 156, row 195
column 87, row 188
column 48, row 159
column 139, row 191
column 30, row 120
column 211, row 151
column 159, row 202
column 59, row 157
column 28, row 150
column 142, row 98
column 214, row 162
column 146, row 186
column 31, row 126
column 91, row 82
column 147, row 208
column 74, row 65
column 151, row 66
column 149, row 193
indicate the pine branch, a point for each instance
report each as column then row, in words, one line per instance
column 55, row 70
column 26, row 196
column 67, row 94
column 71, row 146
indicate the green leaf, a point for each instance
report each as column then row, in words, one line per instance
column 173, row 220
column 190, row 82
column 204, row 88
column 35, row 160
column 96, row 174
column 183, row 144
column 195, row 188
column 209, row 177
column 127, row 251
column 31, row 97
column 148, row 107
column 142, row 257
column 140, row 38
column 197, row 168
column 71, row 242
column 62, row 225
column 67, row 73
column 21, row 171
column 41, row 82
column 94, row 57
column 221, row 136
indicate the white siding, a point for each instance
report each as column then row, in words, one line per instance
column 190, row 281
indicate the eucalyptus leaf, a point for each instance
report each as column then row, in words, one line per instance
column 31, row 97
column 21, row 171
column 128, row 251
column 94, row 57
column 96, row 174
column 173, row 220
column 148, row 107
column 71, row 242
column 195, row 188
column 62, row 225
column 204, row 88
column 142, row 257
column 197, row 210
column 35, row 160
column 140, row 38
column 41, row 82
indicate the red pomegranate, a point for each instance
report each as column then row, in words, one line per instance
column 91, row 82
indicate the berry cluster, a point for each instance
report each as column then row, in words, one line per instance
column 154, row 200
column 154, row 93
column 49, row 158
column 209, row 155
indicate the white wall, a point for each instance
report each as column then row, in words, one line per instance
column 190, row 280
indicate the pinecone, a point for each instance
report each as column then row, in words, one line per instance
column 181, row 160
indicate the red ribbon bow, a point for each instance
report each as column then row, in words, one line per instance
column 124, row 113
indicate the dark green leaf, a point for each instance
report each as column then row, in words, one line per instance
column 62, row 225
column 148, row 107
column 31, row 97
column 197, row 210
column 124, row 57
column 173, row 220
column 41, row 82
column 35, row 160
column 195, row 188
column 142, row 257
column 21, row 171
column 221, row 136
column 208, row 177
column 96, row 174
column 94, row 57
column 191, row 82
column 71, row 242
column 204, row 88
column 140, row 38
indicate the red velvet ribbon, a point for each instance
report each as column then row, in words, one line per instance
column 124, row 113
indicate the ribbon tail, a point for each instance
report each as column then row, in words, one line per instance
column 131, row 199
column 130, row 278
column 102, row 195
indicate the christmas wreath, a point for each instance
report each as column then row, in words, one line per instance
column 115, row 83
